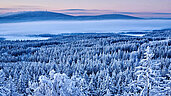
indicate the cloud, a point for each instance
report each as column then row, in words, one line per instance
column 20, row 8
column 5, row 8
column 147, row 14
column 81, row 13
column 73, row 10
column 26, row 6
column 162, row 13
column 84, row 11
column 144, row 13
column 8, row 9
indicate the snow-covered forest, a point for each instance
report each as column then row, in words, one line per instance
column 87, row 65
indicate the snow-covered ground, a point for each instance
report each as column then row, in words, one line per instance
column 13, row 31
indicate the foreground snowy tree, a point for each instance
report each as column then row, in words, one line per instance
column 3, row 90
column 145, row 77
column 108, row 93
column 57, row 85
column 9, row 88
column 149, row 80
column 2, row 77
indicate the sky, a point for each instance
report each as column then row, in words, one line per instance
column 142, row 8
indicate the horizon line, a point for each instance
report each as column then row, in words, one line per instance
column 85, row 12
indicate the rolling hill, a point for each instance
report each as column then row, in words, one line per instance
column 46, row 15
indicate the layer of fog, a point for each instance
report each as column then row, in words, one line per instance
column 17, row 31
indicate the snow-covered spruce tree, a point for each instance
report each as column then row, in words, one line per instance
column 108, row 93
column 80, row 83
column 55, row 85
column 163, row 82
column 2, row 77
column 7, row 86
column 145, row 77
column 3, row 89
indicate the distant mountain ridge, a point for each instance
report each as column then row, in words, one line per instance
column 46, row 15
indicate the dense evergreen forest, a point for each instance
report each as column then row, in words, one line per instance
column 104, row 64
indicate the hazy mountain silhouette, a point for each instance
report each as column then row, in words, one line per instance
column 46, row 15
